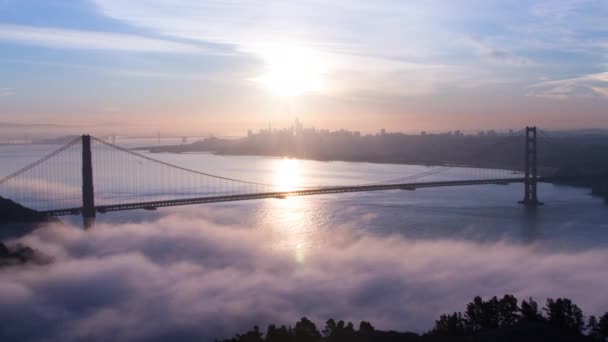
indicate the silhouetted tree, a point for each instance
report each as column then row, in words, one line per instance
column 330, row 327
column 366, row 333
column 563, row 314
column 593, row 328
column 349, row 331
column 282, row 334
column 491, row 320
column 251, row 336
column 603, row 327
column 450, row 325
column 482, row 314
column 366, row 328
column 530, row 312
column 343, row 332
column 507, row 311
column 306, row 331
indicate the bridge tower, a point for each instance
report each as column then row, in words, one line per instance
column 88, row 192
column 530, row 169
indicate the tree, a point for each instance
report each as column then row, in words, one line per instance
column 343, row 332
column 450, row 325
column 366, row 328
column 282, row 334
column 330, row 328
column 306, row 330
column 593, row 328
column 349, row 329
column 251, row 336
column 482, row 314
column 507, row 311
column 603, row 327
column 563, row 314
column 488, row 320
column 529, row 311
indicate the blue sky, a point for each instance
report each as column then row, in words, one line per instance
column 225, row 66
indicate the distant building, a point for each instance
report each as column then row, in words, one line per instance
column 297, row 128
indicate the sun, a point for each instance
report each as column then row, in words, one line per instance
column 291, row 71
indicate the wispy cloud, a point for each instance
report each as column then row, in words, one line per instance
column 401, row 40
column 398, row 56
column 559, row 9
column 589, row 86
column 135, row 72
column 6, row 92
column 498, row 55
column 91, row 40
column 258, row 28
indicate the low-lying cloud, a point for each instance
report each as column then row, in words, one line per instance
column 192, row 278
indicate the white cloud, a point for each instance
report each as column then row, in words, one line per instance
column 498, row 55
column 558, row 9
column 7, row 92
column 188, row 277
column 589, row 86
column 248, row 24
column 122, row 72
column 396, row 40
column 375, row 47
column 385, row 48
column 90, row 40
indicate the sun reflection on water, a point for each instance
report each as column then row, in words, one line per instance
column 287, row 174
column 290, row 218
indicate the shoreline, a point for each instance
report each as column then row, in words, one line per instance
column 151, row 150
column 593, row 188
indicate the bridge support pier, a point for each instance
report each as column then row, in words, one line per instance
column 530, row 169
column 88, row 192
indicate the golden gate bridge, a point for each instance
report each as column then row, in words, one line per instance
column 90, row 175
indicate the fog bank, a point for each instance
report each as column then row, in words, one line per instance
column 194, row 278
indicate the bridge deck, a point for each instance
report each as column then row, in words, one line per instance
column 284, row 194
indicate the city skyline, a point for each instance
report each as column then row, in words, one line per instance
column 421, row 65
column 57, row 133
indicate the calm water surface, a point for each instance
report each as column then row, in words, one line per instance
column 570, row 219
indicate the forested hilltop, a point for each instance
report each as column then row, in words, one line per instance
column 503, row 319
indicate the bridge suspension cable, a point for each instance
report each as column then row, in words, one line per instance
column 123, row 176
column 40, row 161
column 48, row 183
column 444, row 168
column 279, row 186
column 195, row 171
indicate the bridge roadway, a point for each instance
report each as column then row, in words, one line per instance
column 151, row 205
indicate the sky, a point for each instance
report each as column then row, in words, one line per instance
column 194, row 67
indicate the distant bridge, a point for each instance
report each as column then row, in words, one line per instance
column 89, row 176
